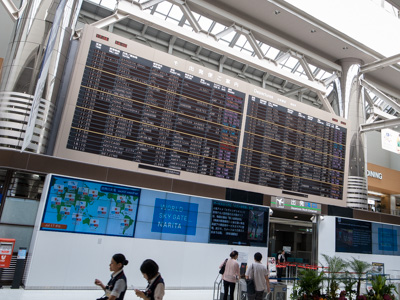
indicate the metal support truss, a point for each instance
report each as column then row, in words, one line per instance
column 381, row 63
column 389, row 101
column 12, row 10
column 325, row 102
column 204, row 39
column 378, row 125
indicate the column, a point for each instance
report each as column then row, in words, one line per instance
column 352, row 107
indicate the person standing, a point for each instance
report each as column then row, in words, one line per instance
column 116, row 287
column 259, row 273
column 281, row 260
column 155, row 289
column 231, row 274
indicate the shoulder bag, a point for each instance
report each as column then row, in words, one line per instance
column 251, row 287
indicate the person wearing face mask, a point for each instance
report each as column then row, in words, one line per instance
column 155, row 289
column 116, row 287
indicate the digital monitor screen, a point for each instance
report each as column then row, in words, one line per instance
column 353, row 236
column 239, row 224
column 292, row 151
column 84, row 206
column 135, row 109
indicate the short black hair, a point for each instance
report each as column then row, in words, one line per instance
column 258, row 256
column 233, row 253
column 150, row 268
column 119, row 258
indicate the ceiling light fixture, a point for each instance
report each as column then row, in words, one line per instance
column 313, row 31
column 345, row 48
column 277, row 12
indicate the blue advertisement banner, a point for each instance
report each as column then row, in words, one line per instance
column 175, row 217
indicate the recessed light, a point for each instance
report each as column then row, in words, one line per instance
column 277, row 12
column 345, row 48
column 313, row 31
column 295, row 217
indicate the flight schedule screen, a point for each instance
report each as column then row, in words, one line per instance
column 292, row 151
column 135, row 109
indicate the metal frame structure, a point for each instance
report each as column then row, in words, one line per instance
column 299, row 82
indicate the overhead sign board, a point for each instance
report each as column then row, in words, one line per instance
column 390, row 140
column 295, row 205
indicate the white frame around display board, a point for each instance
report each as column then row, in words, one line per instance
column 191, row 69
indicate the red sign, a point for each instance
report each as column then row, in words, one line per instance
column 6, row 251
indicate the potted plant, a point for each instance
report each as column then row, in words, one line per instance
column 381, row 290
column 308, row 286
column 359, row 268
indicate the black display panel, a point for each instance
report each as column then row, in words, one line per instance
column 353, row 236
column 135, row 109
column 239, row 224
column 292, row 151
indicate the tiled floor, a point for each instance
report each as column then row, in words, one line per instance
column 6, row 293
column 20, row 294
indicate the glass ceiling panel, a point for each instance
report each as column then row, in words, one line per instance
column 228, row 38
column 205, row 23
column 291, row 63
column 173, row 14
column 241, row 41
column 218, row 28
column 163, row 8
column 108, row 3
column 272, row 53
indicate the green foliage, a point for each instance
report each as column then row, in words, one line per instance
column 359, row 268
column 335, row 265
column 308, row 285
column 381, row 290
column 349, row 280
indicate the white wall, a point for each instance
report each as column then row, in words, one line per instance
column 67, row 260
column 61, row 260
column 326, row 245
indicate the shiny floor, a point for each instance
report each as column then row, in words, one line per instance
column 20, row 294
column 6, row 293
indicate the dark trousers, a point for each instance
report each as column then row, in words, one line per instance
column 256, row 296
column 231, row 287
column 279, row 272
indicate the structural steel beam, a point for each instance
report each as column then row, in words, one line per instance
column 325, row 102
column 150, row 3
column 129, row 9
column 12, row 10
column 378, row 125
column 381, row 95
column 188, row 14
column 379, row 64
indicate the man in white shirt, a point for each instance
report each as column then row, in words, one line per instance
column 259, row 273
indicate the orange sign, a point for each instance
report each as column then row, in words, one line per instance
column 6, row 251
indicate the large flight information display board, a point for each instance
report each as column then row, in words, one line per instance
column 133, row 107
column 292, row 151
column 139, row 110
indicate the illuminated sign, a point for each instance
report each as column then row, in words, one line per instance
column 297, row 205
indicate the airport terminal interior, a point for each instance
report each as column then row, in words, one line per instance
column 181, row 130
